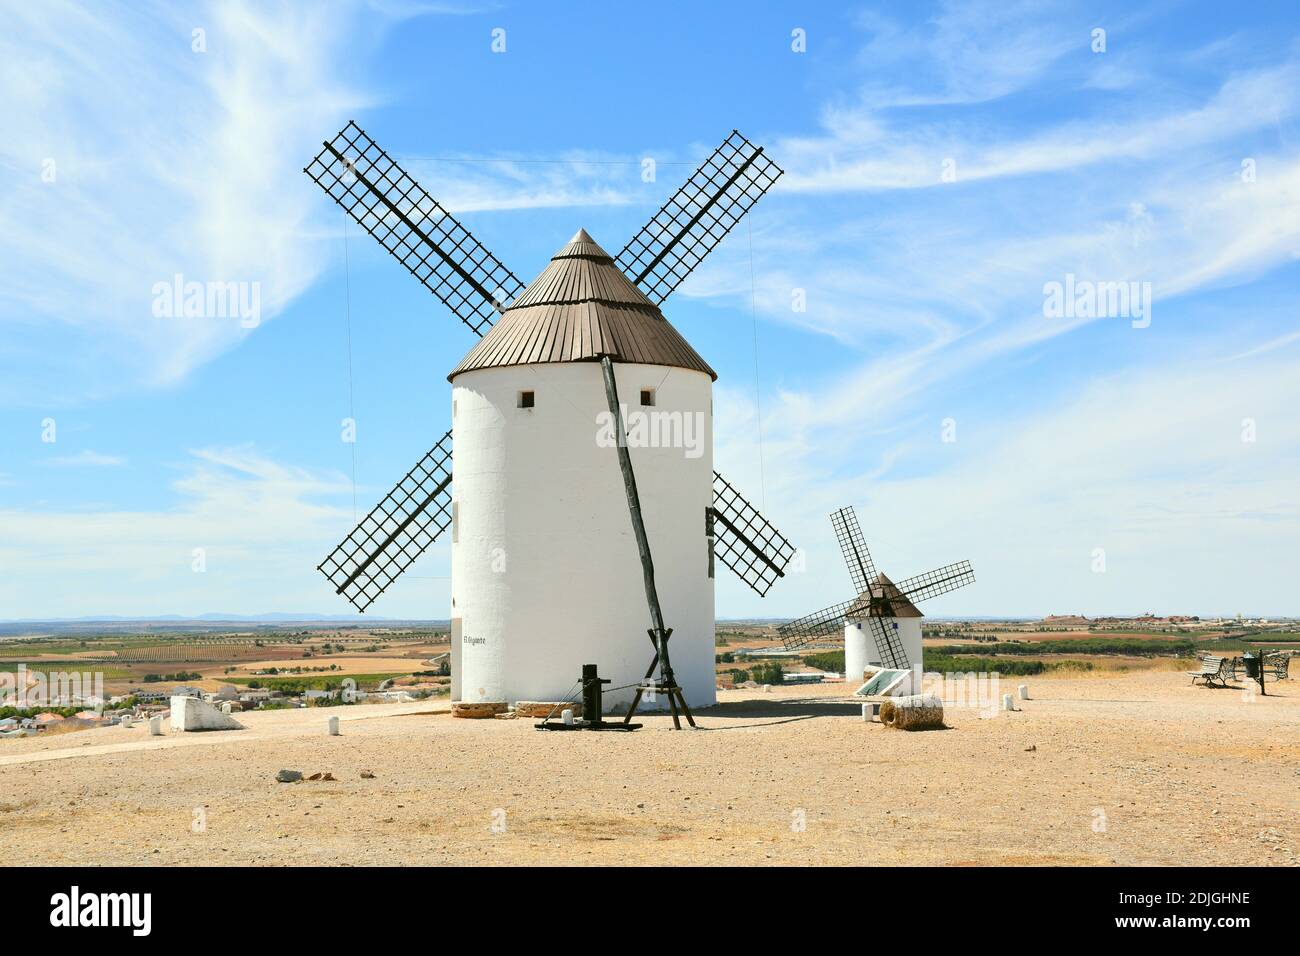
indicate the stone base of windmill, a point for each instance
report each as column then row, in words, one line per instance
column 547, row 708
column 914, row 712
column 479, row 709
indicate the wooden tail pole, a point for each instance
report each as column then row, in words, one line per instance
column 634, row 506
column 658, row 633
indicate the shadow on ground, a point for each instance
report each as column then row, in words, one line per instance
column 787, row 708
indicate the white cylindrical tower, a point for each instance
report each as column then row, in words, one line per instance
column 860, row 650
column 546, row 575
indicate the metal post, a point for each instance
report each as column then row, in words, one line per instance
column 592, row 705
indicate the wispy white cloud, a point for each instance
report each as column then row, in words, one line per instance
column 941, row 289
column 86, row 458
column 261, row 527
column 862, row 149
column 847, row 434
column 507, row 183
column 1282, row 341
column 132, row 157
column 965, row 53
column 1168, row 470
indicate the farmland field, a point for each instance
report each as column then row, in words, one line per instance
column 130, row 660
column 195, row 652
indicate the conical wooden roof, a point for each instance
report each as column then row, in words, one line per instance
column 579, row 308
column 883, row 587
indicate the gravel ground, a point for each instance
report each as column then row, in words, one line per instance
column 1102, row 769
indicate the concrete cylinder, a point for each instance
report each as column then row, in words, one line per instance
column 333, row 726
column 156, row 726
column 567, row 716
column 1008, row 702
column 126, row 721
column 1024, row 691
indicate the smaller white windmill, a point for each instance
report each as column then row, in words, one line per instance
column 882, row 625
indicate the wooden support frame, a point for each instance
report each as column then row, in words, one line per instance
column 658, row 633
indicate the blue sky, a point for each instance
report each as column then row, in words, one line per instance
column 1171, row 158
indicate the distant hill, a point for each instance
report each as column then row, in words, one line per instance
column 201, row 623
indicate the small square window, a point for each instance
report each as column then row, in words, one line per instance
column 525, row 399
column 647, row 396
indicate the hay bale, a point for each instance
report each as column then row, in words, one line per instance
column 477, row 709
column 546, row 708
column 915, row 712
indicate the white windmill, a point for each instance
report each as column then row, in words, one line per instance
column 882, row 625
column 547, row 574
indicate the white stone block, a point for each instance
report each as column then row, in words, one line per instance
column 334, row 726
column 190, row 713
column 1008, row 702
column 1023, row 690
column 155, row 726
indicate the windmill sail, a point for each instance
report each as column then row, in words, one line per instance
column 418, row 232
column 697, row 217
column 888, row 645
column 854, row 547
column 922, row 587
column 818, row 624
column 745, row 541
column 396, row 532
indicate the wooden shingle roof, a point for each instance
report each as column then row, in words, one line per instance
column 883, row 587
column 582, row 306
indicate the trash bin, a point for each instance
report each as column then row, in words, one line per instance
column 1252, row 665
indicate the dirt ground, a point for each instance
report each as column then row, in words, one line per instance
column 1109, row 768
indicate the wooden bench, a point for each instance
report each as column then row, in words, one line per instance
column 1212, row 670
column 1277, row 664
